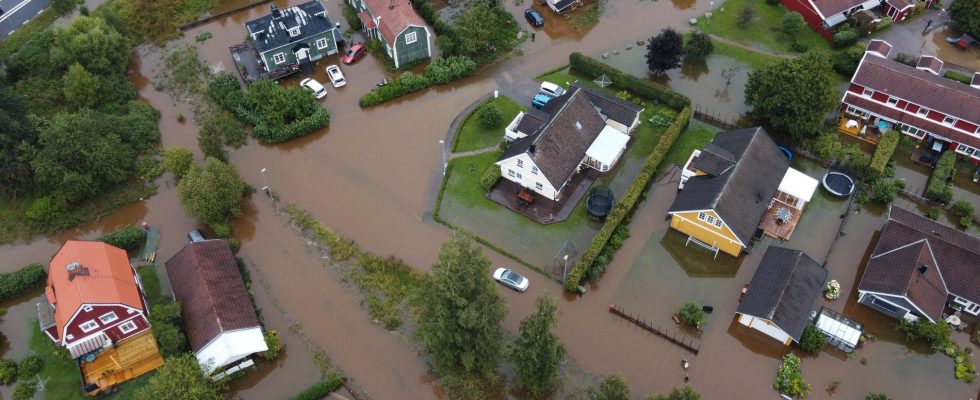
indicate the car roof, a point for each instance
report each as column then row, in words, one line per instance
column 550, row 86
column 542, row 96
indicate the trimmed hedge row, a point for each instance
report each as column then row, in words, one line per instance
column 628, row 201
column 319, row 390
column 13, row 284
column 439, row 71
column 641, row 87
column 127, row 238
column 958, row 76
column 939, row 187
column 883, row 153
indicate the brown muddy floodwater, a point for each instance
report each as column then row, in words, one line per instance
column 372, row 177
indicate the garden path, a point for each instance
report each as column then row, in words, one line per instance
column 750, row 48
column 487, row 149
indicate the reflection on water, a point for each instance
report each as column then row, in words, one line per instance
column 683, row 4
column 697, row 261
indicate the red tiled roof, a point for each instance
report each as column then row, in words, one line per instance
column 832, row 7
column 365, row 20
column 107, row 279
column 920, row 87
column 910, row 119
column 396, row 15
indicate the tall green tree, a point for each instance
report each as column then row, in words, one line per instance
column 62, row 7
column 965, row 16
column 682, row 393
column 698, row 47
column 81, row 88
column 664, row 51
column 15, row 128
column 178, row 160
column 459, row 325
column 91, row 42
column 612, row 388
column 537, row 354
column 793, row 24
column 793, row 95
column 212, row 192
column 180, row 378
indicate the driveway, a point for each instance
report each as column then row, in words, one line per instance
column 16, row 13
column 910, row 37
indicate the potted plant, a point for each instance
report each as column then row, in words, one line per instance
column 832, row 290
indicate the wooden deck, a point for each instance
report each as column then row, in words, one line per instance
column 124, row 361
column 543, row 210
column 870, row 135
column 780, row 231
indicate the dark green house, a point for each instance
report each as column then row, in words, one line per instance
column 293, row 35
column 399, row 28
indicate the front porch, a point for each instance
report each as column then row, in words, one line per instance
column 541, row 209
column 251, row 68
column 927, row 152
column 125, row 360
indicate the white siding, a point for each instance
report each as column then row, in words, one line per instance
column 764, row 326
column 527, row 178
column 231, row 346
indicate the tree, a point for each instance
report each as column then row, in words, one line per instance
column 745, row 16
column 789, row 378
column 612, row 388
column 181, row 377
column 489, row 116
column 692, row 314
column 682, row 393
column 877, row 396
column 212, row 192
column 664, row 51
column 481, row 31
column 698, row 47
column 459, row 324
column 812, row 340
column 81, row 88
column 964, row 16
column 165, row 322
column 793, row 95
column 63, row 7
column 793, row 24
column 537, row 354
column 15, row 128
column 91, row 42
column 177, row 160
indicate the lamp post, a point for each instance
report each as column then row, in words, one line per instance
column 268, row 190
column 564, row 270
column 445, row 163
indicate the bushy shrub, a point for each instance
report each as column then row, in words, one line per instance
column 937, row 334
column 789, row 378
column 845, row 38
column 177, row 160
column 964, row 210
column 318, row 390
column 745, row 16
column 46, row 210
column 799, row 46
column 25, row 390
column 272, row 341
column 277, row 113
column 884, row 151
column 151, row 284
column 165, row 320
column 490, row 177
column 13, row 284
column 793, row 24
column 939, row 187
column 8, row 371
column 958, row 76
column 812, row 340
column 883, row 24
column 489, row 116
column 30, row 366
column 642, row 87
column 698, row 46
column 933, row 213
column 846, row 62
column 692, row 314
column 439, row 71
column 350, row 14
column 127, row 238
column 448, row 69
column 906, row 59
column 885, row 190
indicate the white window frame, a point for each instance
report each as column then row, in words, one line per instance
column 279, row 58
column 702, row 216
column 538, row 186
column 321, row 43
column 87, row 308
column 520, row 163
column 868, row 92
column 293, row 32
column 128, row 327
column 718, row 223
column 893, row 101
column 411, row 37
column 518, row 175
column 949, row 120
column 91, row 325
column 70, row 337
column 511, row 173
column 534, row 170
column 710, row 219
column 922, row 111
column 108, row 317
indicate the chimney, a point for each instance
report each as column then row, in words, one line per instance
column 532, row 148
column 76, row 269
column 578, row 126
column 930, row 64
column 923, row 269
column 391, row 5
column 975, row 83
column 275, row 11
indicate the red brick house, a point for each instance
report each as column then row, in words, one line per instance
column 94, row 307
column 825, row 15
column 917, row 101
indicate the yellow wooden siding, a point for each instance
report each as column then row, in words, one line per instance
column 723, row 238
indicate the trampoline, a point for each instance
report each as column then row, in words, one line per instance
column 786, row 151
column 838, row 184
column 600, row 202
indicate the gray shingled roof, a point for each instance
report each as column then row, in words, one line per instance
column 271, row 32
column 740, row 195
column 616, row 109
column 784, row 289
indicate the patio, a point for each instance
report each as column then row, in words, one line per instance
column 780, row 226
column 857, row 127
column 126, row 360
column 540, row 209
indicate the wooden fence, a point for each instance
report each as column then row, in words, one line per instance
column 726, row 121
column 685, row 342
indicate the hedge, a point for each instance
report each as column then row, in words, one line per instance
column 939, row 188
column 225, row 90
column 127, row 238
column 439, row 71
column 319, row 390
column 883, row 153
column 845, row 38
column 13, row 284
column 628, row 201
column 594, row 68
column 958, row 76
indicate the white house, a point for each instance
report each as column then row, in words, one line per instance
column 583, row 128
column 218, row 315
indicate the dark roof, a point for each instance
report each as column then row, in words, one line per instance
column 207, row 284
column 913, row 119
column 899, row 271
column 829, row 8
column 880, row 46
column 531, row 121
column 920, row 87
column 740, row 195
column 713, row 160
column 271, row 31
column 559, row 145
column 562, row 4
column 784, row 289
column 956, row 254
column 976, row 79
column 932, row 63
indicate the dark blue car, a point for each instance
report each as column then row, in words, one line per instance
column 534, row 17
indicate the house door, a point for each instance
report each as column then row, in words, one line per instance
column 302, row 54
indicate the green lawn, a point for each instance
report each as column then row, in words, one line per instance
column 764, row 32
column 472, row 135
column 564, row 77
column 695, row 137
column 753, row 59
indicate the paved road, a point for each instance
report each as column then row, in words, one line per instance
column 16, row 13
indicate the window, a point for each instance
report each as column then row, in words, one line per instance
column 293, row 32
column 520, row 163
column 922, row 111
column 949, row 120
column 884, row 305
column 710, row 220
column 518, row 175
column 88, row 326
column 69, row 336
column 534, row 170
column 510, row 173
column 279, row 58
column 538, row 186
column 718, row 223
column 702, row 216
column 411, row 37
column 868, row 92
column 87, row 308
column 321, row 43
column 129, row 326
column 892, row 100
column 108, row 317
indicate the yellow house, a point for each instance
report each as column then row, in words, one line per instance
column 726, row 189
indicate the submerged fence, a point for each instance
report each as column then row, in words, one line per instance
column 685, row 342
column 726, row 121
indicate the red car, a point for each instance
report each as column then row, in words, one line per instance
column 354, row 53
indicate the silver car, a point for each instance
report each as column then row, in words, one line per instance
column 511, row 279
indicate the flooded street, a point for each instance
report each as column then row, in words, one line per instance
column 372, row 176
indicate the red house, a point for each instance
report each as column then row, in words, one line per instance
column 917, row 101
column 94, row 307
column 825, row 15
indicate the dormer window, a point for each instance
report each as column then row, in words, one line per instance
column 949, row 120
column 892, row 100
column 923, row 111
column 293, row 32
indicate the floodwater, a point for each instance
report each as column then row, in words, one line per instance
column 372, row 177
column 969, row 58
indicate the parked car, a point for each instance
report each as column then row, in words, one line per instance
column 336, row 77
column 312, row 85
column 551, row 90
column 195, row 236
column 354, row 53
column 540, row 100
column 511, row 279
column 534, row 17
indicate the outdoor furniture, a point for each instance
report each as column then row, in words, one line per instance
column 954, row 321
column 783, row 215
column 525, row 198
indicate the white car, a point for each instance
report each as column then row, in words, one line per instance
column 511, row 279
column 312, row 85
column 336, row 77
column 551, row 90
